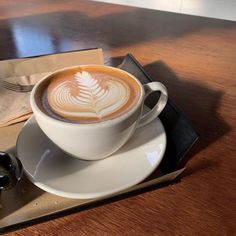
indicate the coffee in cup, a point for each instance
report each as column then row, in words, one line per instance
column 89, row 95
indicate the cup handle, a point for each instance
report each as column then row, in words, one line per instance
column 157, row 109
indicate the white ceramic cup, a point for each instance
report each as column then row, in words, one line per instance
column 95, row 141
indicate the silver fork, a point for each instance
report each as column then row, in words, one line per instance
column 16, row 87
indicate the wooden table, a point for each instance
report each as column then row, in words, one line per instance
column 195, row 58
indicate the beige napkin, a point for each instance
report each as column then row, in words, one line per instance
column 15, row 106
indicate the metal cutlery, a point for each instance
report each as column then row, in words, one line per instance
column 15, row 86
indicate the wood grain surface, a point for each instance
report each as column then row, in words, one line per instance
column 195, row 58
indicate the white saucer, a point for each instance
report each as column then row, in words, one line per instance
column 49, row 168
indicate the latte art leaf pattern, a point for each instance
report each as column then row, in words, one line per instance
column 90, row 91
column 93, row 98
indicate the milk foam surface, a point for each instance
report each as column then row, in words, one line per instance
column 89, row 94
column 93, row 98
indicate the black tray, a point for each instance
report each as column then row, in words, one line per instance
column 180, row 134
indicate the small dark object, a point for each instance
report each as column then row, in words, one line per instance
column 10, row 170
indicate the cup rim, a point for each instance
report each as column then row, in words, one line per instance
column 37, row 110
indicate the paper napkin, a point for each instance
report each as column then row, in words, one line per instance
column 15, row 106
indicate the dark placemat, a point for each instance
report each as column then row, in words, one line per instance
column 180, row 134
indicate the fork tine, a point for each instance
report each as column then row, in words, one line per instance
column 8, row 85
column 24, row 87
column 16, row 87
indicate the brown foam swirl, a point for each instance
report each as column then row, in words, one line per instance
column 85, row 96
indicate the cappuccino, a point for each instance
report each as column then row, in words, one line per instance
column 91, row 111
column 89, row 94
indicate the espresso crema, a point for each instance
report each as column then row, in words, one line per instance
column 89, row 95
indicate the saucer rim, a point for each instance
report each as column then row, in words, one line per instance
column 81, row 196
